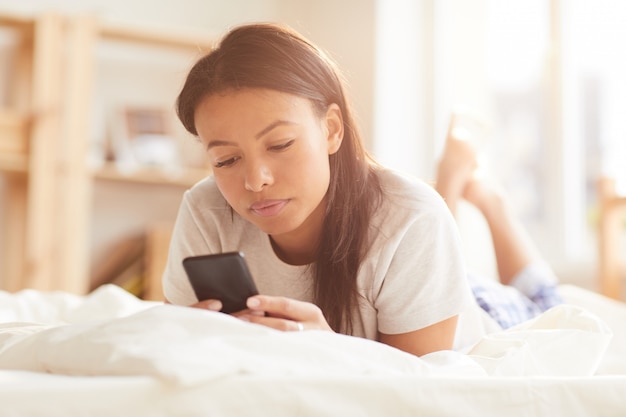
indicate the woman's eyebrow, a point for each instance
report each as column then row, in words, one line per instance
column 271, row 126
column 215, row 143
column 263, row 131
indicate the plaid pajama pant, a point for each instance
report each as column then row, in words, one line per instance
column 531, row 292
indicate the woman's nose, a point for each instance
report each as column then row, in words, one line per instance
column 258, row 175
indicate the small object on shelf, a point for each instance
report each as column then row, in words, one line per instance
column 141, row 137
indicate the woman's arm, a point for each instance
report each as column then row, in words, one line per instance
column 285, row 314
column 439, row 336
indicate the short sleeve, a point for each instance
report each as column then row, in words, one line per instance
column 423, row 272
column 187, row 240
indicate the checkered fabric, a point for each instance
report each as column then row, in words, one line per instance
column 531, row 292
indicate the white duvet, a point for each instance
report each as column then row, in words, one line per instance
column 111, row 333
column 110, row 354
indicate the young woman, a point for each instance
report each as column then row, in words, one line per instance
column 334, row 241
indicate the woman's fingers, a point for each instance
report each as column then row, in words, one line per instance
column 213, row 305
column 277, row 323
column 279, row 313
column 216, row 305
column 278, row 306
column 286, row 314
column 284, row 307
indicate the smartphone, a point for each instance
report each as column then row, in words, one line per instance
column 222, row 276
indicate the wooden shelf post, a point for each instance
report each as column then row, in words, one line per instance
column 41, row 193
column 13, row 254
column 610, row 229
column 74, row 176
column 157, row 247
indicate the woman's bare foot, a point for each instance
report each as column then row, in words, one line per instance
column 483, row 194
column 456, row 167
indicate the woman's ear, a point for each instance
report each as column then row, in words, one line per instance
column 334, row 126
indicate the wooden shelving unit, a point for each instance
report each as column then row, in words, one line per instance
column 44, row 145
column 30, row 130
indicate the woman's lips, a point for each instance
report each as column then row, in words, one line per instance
column 268, row 208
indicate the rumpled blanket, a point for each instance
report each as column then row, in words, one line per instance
column 110, row 332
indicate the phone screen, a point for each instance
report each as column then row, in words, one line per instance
column 224, row 277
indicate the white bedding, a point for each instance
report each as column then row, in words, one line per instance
column 112, row 354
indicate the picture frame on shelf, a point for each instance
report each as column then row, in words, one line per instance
column 142, row 137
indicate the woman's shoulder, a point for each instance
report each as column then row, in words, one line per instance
column 205, row 204
column 205, row 194
column 408, row 203
column 408, row 191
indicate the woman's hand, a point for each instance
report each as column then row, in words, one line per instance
column 284, row 314
column 279, row 313
column 212, row 305
column 216, row 305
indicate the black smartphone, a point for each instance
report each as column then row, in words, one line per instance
column 221, row 276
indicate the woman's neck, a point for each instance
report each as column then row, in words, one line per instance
column 297, row 253
column 299, row 247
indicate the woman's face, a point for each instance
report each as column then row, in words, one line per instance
column 270, row 156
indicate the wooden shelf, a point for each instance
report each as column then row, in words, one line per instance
column 158, row 38
column 148, row 175
column 16, row 21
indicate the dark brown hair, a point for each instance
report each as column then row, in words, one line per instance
column 275, row 57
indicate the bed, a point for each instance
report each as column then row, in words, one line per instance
column 110, row 353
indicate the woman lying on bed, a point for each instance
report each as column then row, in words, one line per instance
column 334, row 240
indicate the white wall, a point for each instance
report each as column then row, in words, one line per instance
column 346, row 31
column 400, row 138
column 186, row 14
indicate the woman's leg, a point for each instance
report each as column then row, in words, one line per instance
column 519, row 262
column 456, row 180
column 455, row 168
column 514, row 250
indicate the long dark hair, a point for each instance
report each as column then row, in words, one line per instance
column 275, row 57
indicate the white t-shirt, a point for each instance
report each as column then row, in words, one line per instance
column 413, row 276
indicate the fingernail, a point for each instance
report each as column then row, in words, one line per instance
column 253, row 302
column 214, row 305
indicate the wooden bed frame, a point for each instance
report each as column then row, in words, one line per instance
column 610, row 229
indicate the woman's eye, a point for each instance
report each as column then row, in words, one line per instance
column 282, row 146
column 226, row 163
